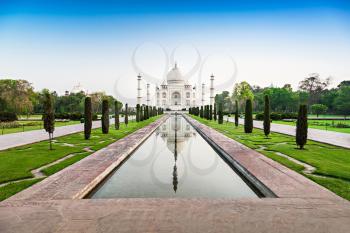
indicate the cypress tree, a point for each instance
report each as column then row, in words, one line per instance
column 220, row 113
column 248, row 117
column 236, row 114
column 201, row 112
column 105, row 116
column 301, row 134
column 189, row 111
column 126, row 120
column 267, row 120
column 142, row 113
column 211, row 112
column 87, row 118
column 215, row 115
column 49, row 116
column 137, row 113
column 116, row 115
column 207, row 112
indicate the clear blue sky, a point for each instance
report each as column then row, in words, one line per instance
column 57, row 44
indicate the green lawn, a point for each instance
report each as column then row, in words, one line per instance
column 321, row 124
column 32, row 125
column 331, row 162
column 17, row 163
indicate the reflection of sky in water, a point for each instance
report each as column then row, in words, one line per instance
column 153, row 172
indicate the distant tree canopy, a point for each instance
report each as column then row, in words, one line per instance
column 16, row 96
column 314, row 86
column 19, row 97
column 312, row 91
column 318, row 109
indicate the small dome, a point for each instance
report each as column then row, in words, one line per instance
column 78, row 89
column 174, row 75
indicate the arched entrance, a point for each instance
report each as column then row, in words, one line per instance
column 175, row 98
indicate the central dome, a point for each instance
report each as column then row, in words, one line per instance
column 174, row 75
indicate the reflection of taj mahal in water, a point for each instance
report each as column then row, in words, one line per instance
column 183, row 132
column 175, row 93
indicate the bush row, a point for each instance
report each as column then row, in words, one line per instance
column 277, row 116
column 8, row 116
column 76, row 116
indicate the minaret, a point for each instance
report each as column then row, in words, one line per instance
column 139, row 97
column 212, row 89
column 148, row 100
column 203, row 86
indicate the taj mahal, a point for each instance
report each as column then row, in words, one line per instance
column 176, row 93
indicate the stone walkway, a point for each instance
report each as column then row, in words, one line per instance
column 329, row 137
column 23, row 138
column 55, row 204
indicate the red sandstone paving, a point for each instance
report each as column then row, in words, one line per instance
column 302, row 206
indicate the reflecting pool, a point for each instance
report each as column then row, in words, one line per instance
column 175, row 161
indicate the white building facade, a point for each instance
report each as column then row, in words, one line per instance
column 175, row 93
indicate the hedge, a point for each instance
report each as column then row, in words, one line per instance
column 8, row 116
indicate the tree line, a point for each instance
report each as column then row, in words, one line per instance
column 313, row 92
column 19, row 97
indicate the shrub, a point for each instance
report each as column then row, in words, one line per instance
column 236, row 114
column 211, row 112
column 126, row 119
column 8, row 116
column 9, row 125
column 49, row 116
column 248, row 117
column 142, row 115
column 201, row 112
column 220, row 113
column 276, row 116
column 267, row 120
column 214, row 112
column 289, row 115
column 116, row 115
column 105, row 116
column 137, row 113
column 87, row 117
column 76, row 116
column 342, row 125
column 301, row 134
column 259, row 116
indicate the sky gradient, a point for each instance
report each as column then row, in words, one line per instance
column 57, row 44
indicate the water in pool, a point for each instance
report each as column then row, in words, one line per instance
column 175, row 161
